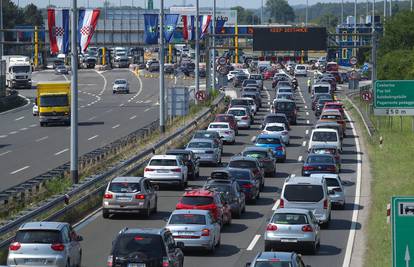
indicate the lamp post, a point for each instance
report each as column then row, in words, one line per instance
column 162, row 84
column 197, row 47
column 214, row 45
column 306, row 14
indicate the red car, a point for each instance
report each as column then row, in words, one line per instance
column 268, row 74
column 228, row 118
column 335, row 105
column 203, row 199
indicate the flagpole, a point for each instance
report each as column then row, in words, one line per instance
column 197, row 48
column 74, row 99
column 214, row 45
column 161, row 56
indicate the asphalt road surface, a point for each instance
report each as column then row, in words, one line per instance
column 241, row 241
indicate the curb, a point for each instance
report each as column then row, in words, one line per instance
column 16, row 109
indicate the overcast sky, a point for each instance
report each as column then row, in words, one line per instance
column 168, row 3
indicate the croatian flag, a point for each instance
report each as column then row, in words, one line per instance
column 88, row 19
column 58, row 23
column 204, row 24
column 188, row 27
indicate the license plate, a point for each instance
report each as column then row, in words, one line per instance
column 33, row 261
column 124, row 198
column 185, row 233
column 288, row 240
column 136, row 264
column 162, row 171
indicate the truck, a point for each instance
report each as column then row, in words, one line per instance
column 53, row 102
column 18, row 71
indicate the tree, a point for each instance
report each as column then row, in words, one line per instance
column 245, row 16
column 330, row 21
column 32, row 15
column 280, row 11
column 399, row 33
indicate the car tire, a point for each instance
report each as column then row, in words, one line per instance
column 237, row 214
column 42, row 124
column 155, row 209
column 80, row 260
column 113, row 92
column 105, row 214
column 68, row 264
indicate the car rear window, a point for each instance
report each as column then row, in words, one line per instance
column 188, row 219
column 255, row 154
column 333, row 106
column 218, row 126
column 321, row 89
column 268, row 141
column 237, row 112
column 289, row 218
column 324, row 137
column 219, row 175
column 224, row 118
column 219, row 187
column 320, row 159
column 275, row 128
column 285, row 106
column 284, row 90
column 131, row 244
column 273, row 263
column 283, row 83
column 117, row 187
column 241, row 102
column 303, row 193
column 38, row 236
column 332, row 182
column 321, row 150
column 199, row 145
column 244, row 164
column 331, row 117
column 163, row 162
column 271, row 119
column 240, row 174
column 197, row 200
column 207, row 135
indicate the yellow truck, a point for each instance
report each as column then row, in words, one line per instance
column 53, row 102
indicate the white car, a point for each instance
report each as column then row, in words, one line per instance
column 325, row 136
column 223, row 129
column 167, row 169
column 232, row 74
column 300, row 70
column 335, row 188
column 278, row 128
column 35, row 110
column 242, row 116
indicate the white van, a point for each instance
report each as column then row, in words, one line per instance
column 325, row 136
column 300, row 70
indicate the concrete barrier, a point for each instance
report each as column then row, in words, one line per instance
column 11, row 101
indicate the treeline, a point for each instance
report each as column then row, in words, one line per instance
column 14, row 15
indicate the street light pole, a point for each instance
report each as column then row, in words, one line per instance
column 162, row 85
column 2, row 33
column 197, row 47
column 261, row 14
column 306, row 15
column 355, row 27
column 74, row 96
column 214, row 45
column 342, row 12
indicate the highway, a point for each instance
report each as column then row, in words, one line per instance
column 27, row 150
column 241, row 241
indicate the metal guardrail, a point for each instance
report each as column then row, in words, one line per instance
column 123, row 168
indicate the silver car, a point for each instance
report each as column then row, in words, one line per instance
column 45, row 244
column 226, row 133
column 206, row 149
column 242, row 116
column 292, row 229
column 195, row 228
column 167, row 169
column 120, row 86
column 278, row 128
column 335, row 188
column 129, row 195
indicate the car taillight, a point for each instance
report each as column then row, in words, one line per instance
column 247, row 186
column 205, row 232
column 307, row 228
column 139, row 196
column 331, row 168
column 108, row 196
column 58, row 247
column 280, row 148
column 308, row 168
column 325, row 204
column 15, row 246
column 176, row 170
column 271, row 227
column 165, row 262
column 110, row 261
column 245, row 117
column 281, row 203
column 149, row 169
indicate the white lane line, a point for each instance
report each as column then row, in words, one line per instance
column 93, row 137
column 5, row 152
column 121, row 105
column 307, row 122
column 23, row 129
column 42, row 138
column 147, row 109
column 19, row 118
column 300, row 158
column 304, row 143
column 352, row 231
column 116, row 126
column 133, row 117
column 253, row 243
column 293, row 175
column 306, row 106
column 147, row 101
column 14, row 132
column 32, row 125
column 307, row 132
column 276, row 205
column 109, row 110
column 307, row 113
column 19, row 170
column 3, row 136
column 92, row 118
column 82, row 106
column 62, row 151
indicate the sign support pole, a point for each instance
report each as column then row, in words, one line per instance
column 213, row 58
column 197, row 48
column 162, row 58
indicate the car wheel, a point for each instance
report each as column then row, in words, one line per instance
column 212, row 249
column 105, row 214
column 42, row 124
column 113, row 92
column 80, row 260
column 237, row 214
column 218, row 242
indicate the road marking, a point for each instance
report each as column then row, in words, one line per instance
column 19, row 118
column 3, row 136
column 105, row 83
column 293, row 175
column 300, row 158
column 121, row 105
column 133, row 117
column 32, row 125
column 116, row 126
column 307, row 122
column 42, row 138
column 82, row 106
column 307, row 113
column 304, row 143
column 5, row 152
column 19, row 170
column 253, row 243
column 93, row 137
column 306, row 106
column 62, row 151
column 109, row 110
column 92, row 118
column 307, row 132
column 23, row 129
column 147, row 109
column 147, row 101
column 276, row 205
column 14, row 132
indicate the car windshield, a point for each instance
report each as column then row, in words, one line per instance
column 240, row 174
column 120, row 82
column 273, row 263
column 200, row 145
column 197, row 200
column 284, row 90
column 322, row 102
column 18, row 69
column 124, row 187
column 223, row 118
column 275, row 128
column 54, row 100
column 321, row 89
column 198, row 219
column 289, row 218
column 163, row 162
column 303, row 193
column 320, row 159
column 332, row 182
column 283, row 83
column 255, row 77
column 268, row 141
column 131, row 244
column 38, row 236
column 300, row 67
column 255, row 154
column 243, row 164
column 285, row 106
column 207, row 135
column 218, row 126
column 237, row 112
column 333, row 106
column 324, row 137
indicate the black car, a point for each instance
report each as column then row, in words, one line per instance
column 319, row 163
column 150, row 247
column 251, row 164
column 275, row 117
column 287, row 107
column 169, row 69
column 250, row 82
column 265, row 156
column 189, row 159
column 248, row 182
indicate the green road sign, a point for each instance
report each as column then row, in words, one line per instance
column 394, row 98
column 402, row 219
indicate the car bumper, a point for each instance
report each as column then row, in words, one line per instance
column 124, row 208
column 291, row 238
column 243, row 124
column 36, row 261
column 54, row 118
column 202, row 242
column 308, row 173
column 337, row 199
column 164, row 179
column 321, row 217
column 286, row 245
column 228, row 138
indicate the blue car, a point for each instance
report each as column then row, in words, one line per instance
column 274, row 142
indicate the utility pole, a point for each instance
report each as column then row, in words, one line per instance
column 355, row 28
column 162, row 85
column 342, row 12
column 74, row 96
column 261, row 13
column 214, row 45
column 2, row 33
column 390, row 8
column 306, row 15
column 197, row 47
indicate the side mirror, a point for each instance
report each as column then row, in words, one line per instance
column 248, row 264
column 79, row 238
column 180, row 245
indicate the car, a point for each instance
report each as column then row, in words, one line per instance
column 232, row 73
column 300, row 70
column 292, row 228
column 285, row 95
column 222, row 182
column 278, row 78
column 287, row 107
column 316, row 97
column 330, row 125
column 35, row 110
column 274, row 142
column 335, row 189
column 238, row 79
column 61, row 69
column 167, row 169
column 227, row 134
column 242, row 116
column 252, row 105
column 321, row 88
column 333, row 115
column 319, row 106
column 146, row 247
column 264, row 155
column 249, row 183
column 268, row 74
column 250, row 82
column 244, row 102
column 330, row 150
column 228, row 118
column 335, row 105
column 120, row 86
column 275, row 117
column 203, row 199
column 38, row 242
column 129, row 195
column 319, row 163
column 204, row 134
column 189, row 159
column 249, row 163
column 195, row 229
column 208, row 151
column 154, row 66
column 254, row 96
column 258, row 78
column 277, row 259
column 283, row 84
column 310, row 193
column 282, row 90
column 169, row 69
column 278, row 128
column 325, row 136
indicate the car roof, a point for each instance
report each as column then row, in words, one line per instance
column 239, row 157
column 255, row 148
column 199, row 192
column 178, row 151
column 290, row 210
column 43, row 225
column 276, row 115
column 331, row 112
column 153, row 231
column 192, row 211
column 325, row 175
column 270, row 135
column 237, row 108
column 267, row 255
column 207, row 140
column 304, row 180
column 130, row 179
column 324, row 130
column 164, row 157
column 284, row 100
column 220, row 123
column 319, row 155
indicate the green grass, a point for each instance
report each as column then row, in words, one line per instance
column 392, row 174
